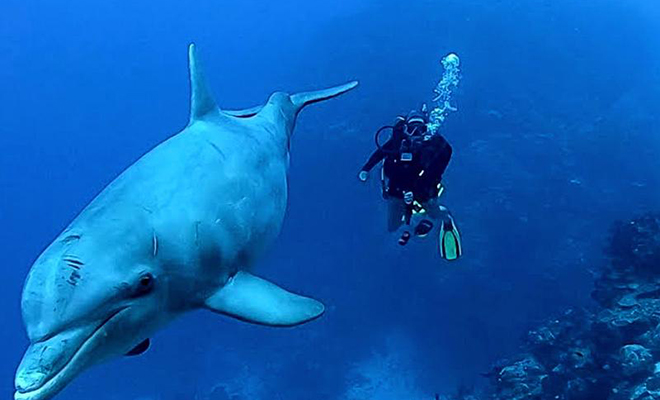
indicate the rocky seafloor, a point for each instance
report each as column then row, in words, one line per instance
column 609, row 352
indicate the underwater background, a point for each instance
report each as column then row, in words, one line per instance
column 557, row 136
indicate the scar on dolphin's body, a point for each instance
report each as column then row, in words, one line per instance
column 155, row 244
column 75, row 264
column 178, row 230
column 216, row 148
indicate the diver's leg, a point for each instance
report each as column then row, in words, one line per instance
column 435, row 210
column 449, row 237
column 395, row 213
column 429, row 219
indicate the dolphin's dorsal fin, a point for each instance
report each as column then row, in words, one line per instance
column 252, row 299
column 201, row 100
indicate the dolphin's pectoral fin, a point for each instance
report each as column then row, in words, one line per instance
column 140, row 348
column 252, row 299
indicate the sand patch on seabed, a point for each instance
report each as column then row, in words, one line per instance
column 387, row 374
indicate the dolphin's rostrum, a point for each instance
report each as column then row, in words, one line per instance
column 176, row 231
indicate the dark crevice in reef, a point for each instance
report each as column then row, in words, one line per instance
column 611, row 352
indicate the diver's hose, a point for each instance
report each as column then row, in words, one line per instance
column 377, row 139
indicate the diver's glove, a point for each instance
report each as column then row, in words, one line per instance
column 363, row 176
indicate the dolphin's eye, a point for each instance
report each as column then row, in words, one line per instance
column 145, row 284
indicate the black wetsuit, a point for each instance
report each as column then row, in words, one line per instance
column 422, row 174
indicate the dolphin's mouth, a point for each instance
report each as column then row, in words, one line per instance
column 49, row 365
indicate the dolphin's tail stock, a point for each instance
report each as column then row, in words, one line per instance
column 283, row 104
column 283, row 108
column 300, row 100
column 279, row 105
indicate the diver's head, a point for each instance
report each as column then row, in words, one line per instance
column 416, row 122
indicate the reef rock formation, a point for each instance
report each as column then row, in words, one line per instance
column 611, row 352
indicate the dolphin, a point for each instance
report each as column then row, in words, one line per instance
column 178, row 230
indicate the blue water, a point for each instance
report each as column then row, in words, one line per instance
column 557, row 135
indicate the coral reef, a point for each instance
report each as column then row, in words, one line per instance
column 610, row 352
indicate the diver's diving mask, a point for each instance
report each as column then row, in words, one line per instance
column 415, row 130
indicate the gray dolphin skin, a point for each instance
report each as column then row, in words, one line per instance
column 177, row 231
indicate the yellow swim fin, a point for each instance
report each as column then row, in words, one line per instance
column 450, row 241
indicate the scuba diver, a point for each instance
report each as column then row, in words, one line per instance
column 414, row 160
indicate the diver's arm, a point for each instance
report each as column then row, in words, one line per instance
column 389, row 147
column 380, row 153
column 375, row 158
